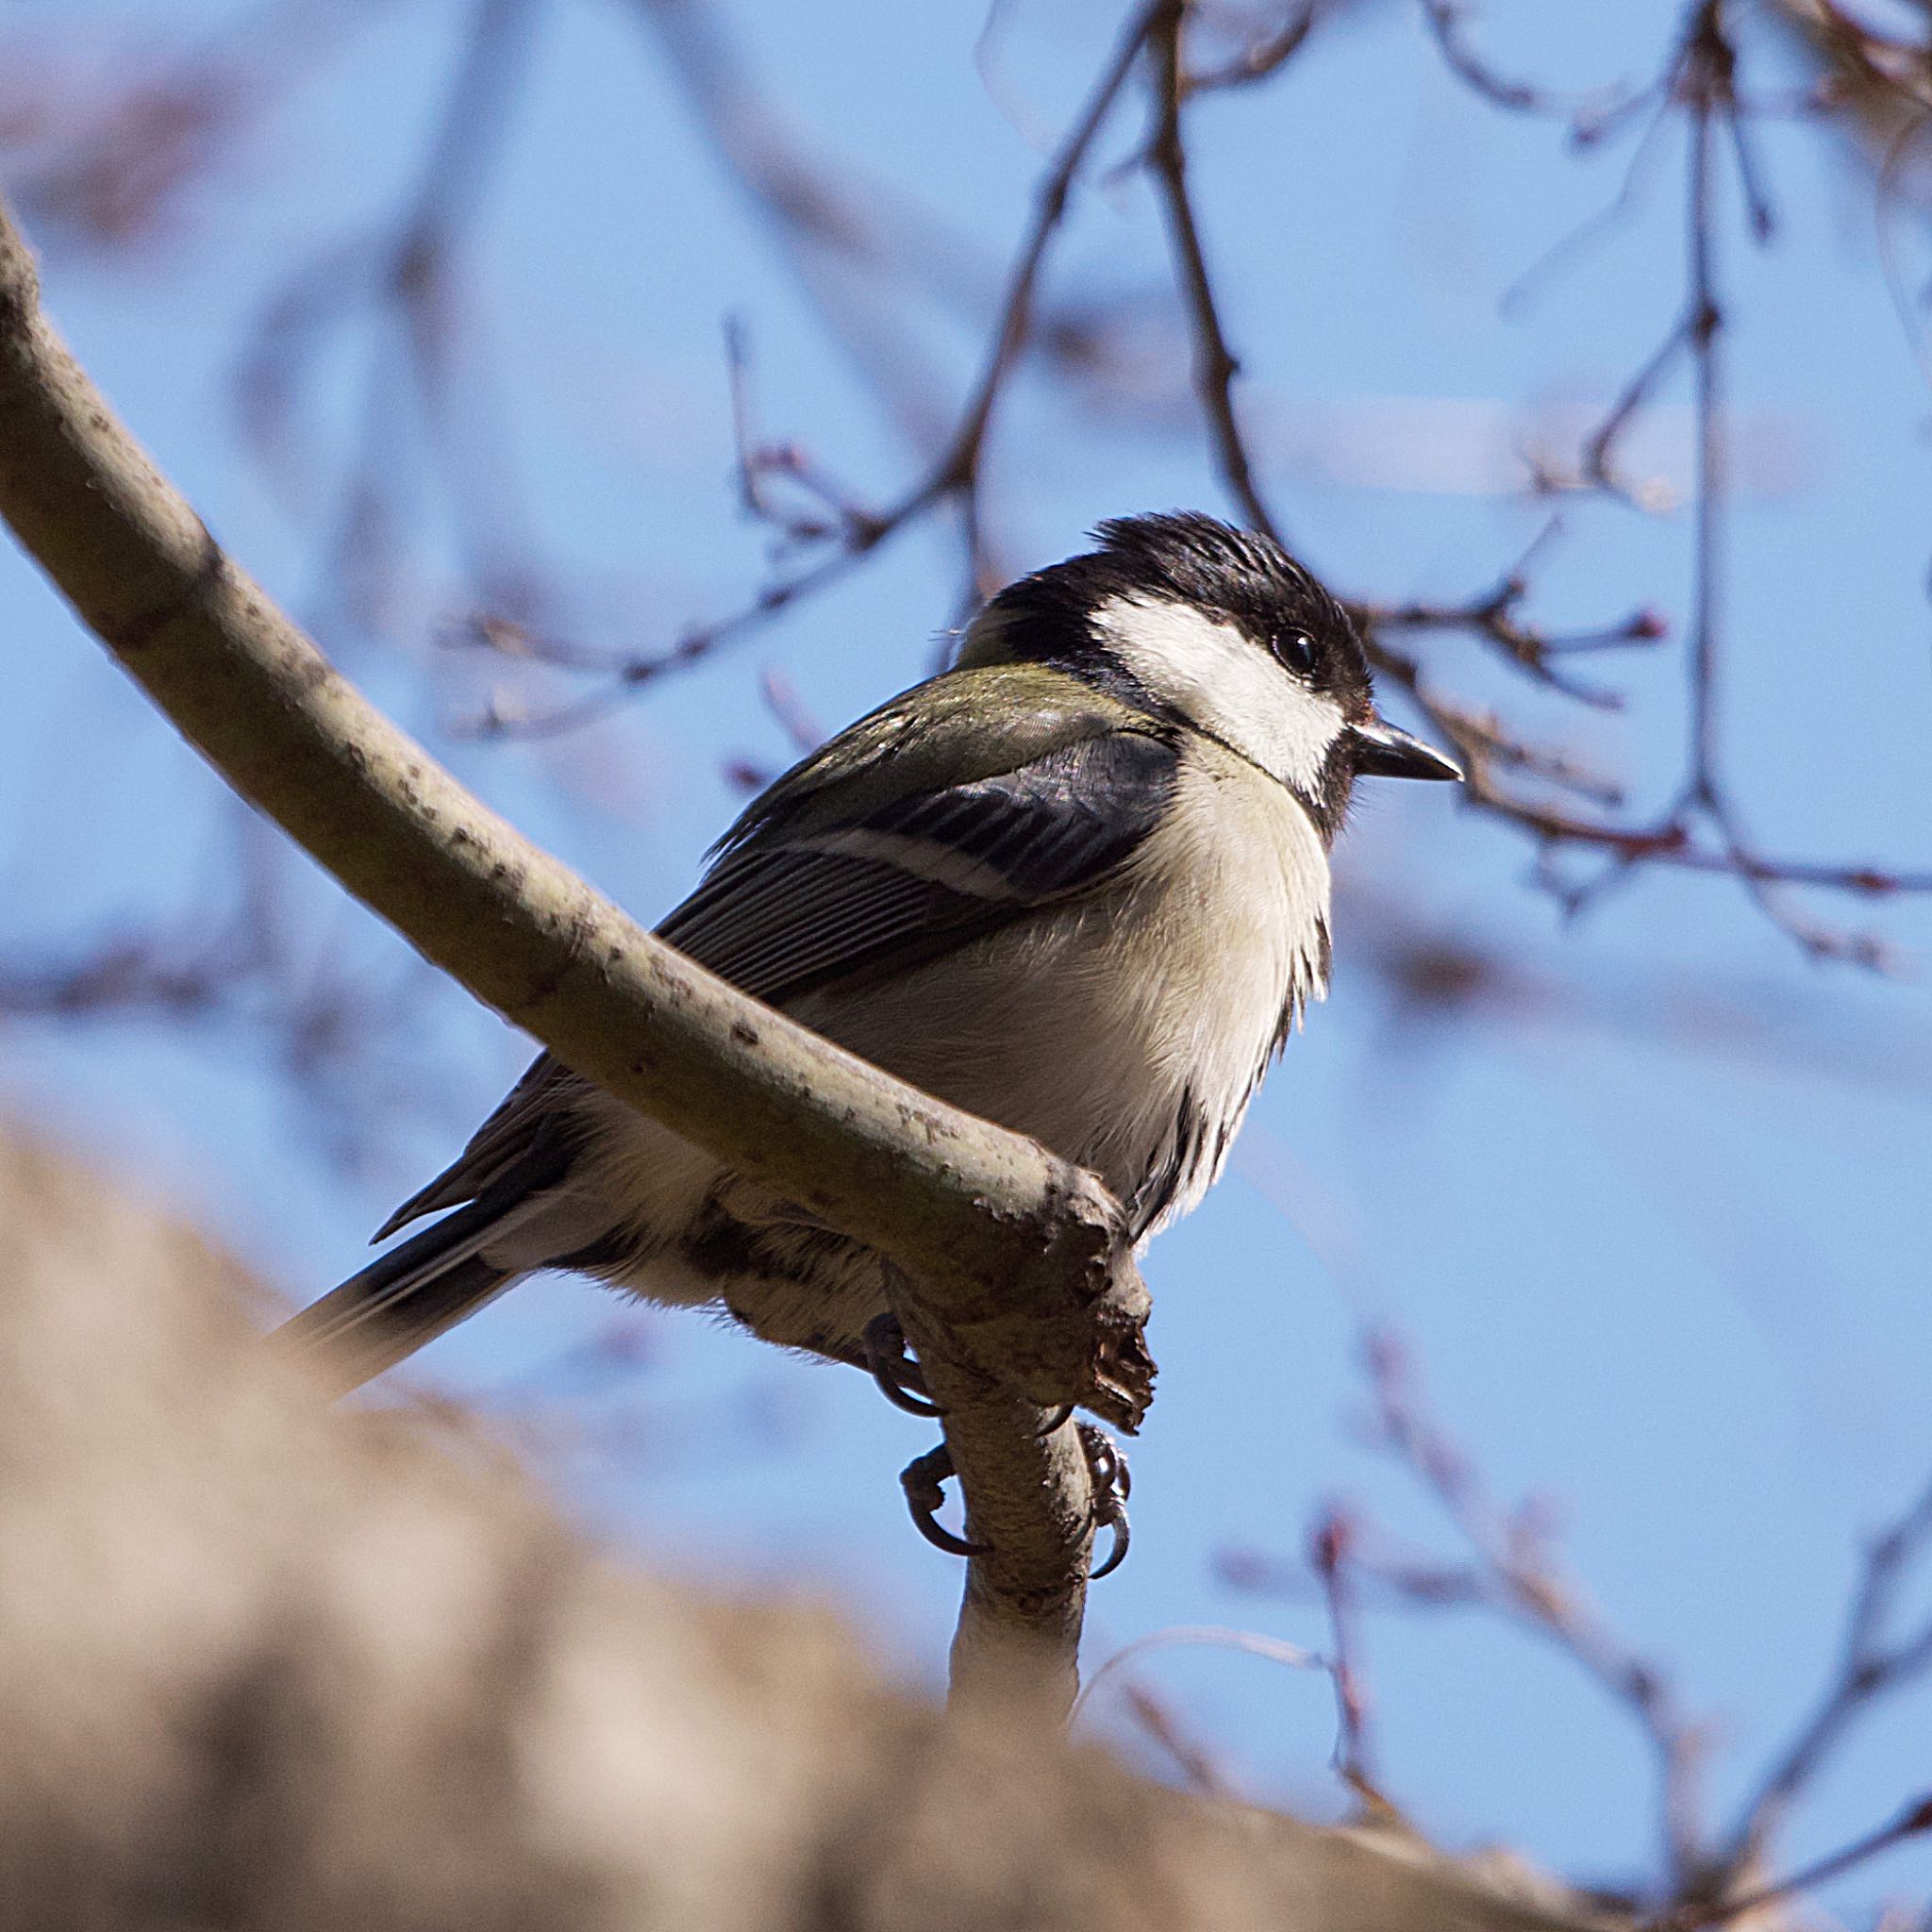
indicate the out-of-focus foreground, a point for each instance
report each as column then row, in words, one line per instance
column 262, row 1663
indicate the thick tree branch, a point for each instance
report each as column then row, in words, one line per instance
column 1023, row 1287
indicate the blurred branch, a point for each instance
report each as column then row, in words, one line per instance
column 1259, row 58
column 405, row 277
column 1433, row 972
column 831, row 224
column 1332, row 1555
column 1701, row 829
column 834, row 529
column 1156, row 1717
column 1496, row 618
column 849, row 240
column 1701, row 74
column 1874, row 80
column 1214, row 364
column 1018, row 1262
column 1444, row 20
column 952, row 478
column 345, row 1033
column 114, row 159
column 1913, row 1822
column 1703, row 79
column 1875, row 1662
column 1514, row 1572
column 342, row 1042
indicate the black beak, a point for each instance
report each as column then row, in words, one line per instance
column 1383, row 752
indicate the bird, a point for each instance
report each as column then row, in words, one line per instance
column 1077, row 884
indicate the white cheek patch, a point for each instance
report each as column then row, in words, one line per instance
column 1210, row 672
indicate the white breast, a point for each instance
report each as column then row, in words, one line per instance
column 1129, row 1032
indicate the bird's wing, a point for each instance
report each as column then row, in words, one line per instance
column 967, row 725
column 796, row 905
column 834, row 873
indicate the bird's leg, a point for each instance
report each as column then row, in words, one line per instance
column 924, row 1483
column 1111, row 1485
column 900, row 1380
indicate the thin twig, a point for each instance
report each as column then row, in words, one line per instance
column 1874, row 1663
column 1332, row 1550
column 1699, row 832
column 953, row 477
column 1215, row 366
column 1913, row 1822
column 1513, row 1573
column 1259, row 59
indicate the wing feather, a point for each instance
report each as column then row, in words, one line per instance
column 914, row 876
column 521, row 1134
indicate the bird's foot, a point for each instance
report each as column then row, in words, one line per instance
column 1108, row 1479
column 923, row 1480
column 900, row 1380
column 1111, row 1484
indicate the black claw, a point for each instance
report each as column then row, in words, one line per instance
column 1118, row 1554
column 1111, row 1484
column 923, row 1480
column 1058, row 1418
column 900, row 1378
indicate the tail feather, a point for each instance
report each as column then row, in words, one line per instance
column 409, row 1297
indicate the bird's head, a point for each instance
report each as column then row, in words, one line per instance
column 1220, row 630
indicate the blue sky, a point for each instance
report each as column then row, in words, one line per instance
column 1657, row 1235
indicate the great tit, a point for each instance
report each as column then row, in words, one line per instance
column 1077, row 884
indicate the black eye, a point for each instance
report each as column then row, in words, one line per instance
column 1295, row 649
